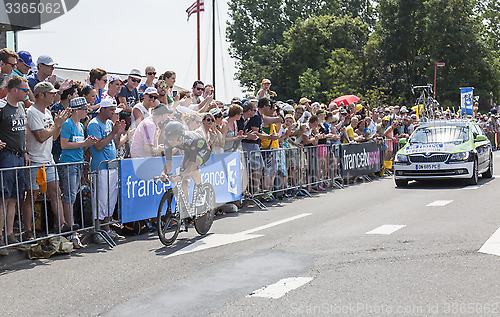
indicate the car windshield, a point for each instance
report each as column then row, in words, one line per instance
column 441, row 134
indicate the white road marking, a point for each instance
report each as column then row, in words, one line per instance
column 216, row 240
column 279, row 289
column 386, row 229
column 492, row 245
column 496, row 176
column 439, row 203
column 272, row 224
column 472, row 187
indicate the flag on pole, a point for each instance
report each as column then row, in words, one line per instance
column 194, row 8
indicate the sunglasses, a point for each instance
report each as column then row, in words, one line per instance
column 11, row 64
column 151, row 73
column 135, row 80
column 162, row 87
column 199, row 88
column 209, row 120
column 104, row 80
column 153, row 97
column 23, row 89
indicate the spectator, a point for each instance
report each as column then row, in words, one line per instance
column 45, row 65
column 265, row 91
column 253, row 122
column 150, row 77
column 12, row 154
column 310, row 138
column 208, row 132
column 196, row 96
column 89, row 93
column 8, row 61
column 141, row 110
column 217, row 130
column 106, row 182
column 163, row 97
column 207, row 91
column 63, row 104
column 129, row 95
column 98, row 79
column 24, row 64
column 115, row 85
column 169, row 77
column 42, row 129
column 145, row 142
column 192, row 120
column 230, row 130
column 350, row 129
column 268, row 148
column 73, row 142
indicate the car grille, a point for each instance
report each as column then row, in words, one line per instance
column 432, row 158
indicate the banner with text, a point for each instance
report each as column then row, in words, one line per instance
column 140, row 195
column 360, row 159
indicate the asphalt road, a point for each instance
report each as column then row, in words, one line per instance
column 305, row 257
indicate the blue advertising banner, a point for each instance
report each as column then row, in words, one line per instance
column 140, row 194
column 466, row 97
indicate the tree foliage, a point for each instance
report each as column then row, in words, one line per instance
column 374, row 49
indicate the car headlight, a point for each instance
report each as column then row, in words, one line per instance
column 462, row 156
column 401, row 158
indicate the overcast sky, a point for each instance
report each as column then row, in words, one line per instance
column 118, row 35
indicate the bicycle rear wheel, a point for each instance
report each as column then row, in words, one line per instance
column 168, row 222
column 203, row 223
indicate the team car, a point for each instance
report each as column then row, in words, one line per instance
column 444, row 149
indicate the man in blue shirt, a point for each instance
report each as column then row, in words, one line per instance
column 45, row 65
column 106, row 181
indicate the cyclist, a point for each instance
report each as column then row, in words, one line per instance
column 196, row 153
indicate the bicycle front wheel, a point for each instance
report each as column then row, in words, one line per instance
column 203, row 223
column 168, row 221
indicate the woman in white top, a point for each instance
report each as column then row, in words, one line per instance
column 141, row 110
column 207, row 131
column 230, row 129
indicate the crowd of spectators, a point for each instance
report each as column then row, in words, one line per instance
column 46, row 120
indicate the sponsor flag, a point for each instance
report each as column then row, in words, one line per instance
column 194, row 8
column 466, row 95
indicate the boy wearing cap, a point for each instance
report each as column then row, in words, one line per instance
column 106, row 182
column 41, row 130
column 73, row 142
column 12, row 153
column 265, row 91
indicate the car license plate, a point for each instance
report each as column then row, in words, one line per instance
column 427, row 166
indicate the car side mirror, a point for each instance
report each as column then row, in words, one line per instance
column 402, row 141
column 480, row 138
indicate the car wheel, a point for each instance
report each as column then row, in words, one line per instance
column 489, row 171
column 475, row 176
column 401, row 182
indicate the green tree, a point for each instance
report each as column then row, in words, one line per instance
column 256, row 33
column 309, row 84
column 333, row 46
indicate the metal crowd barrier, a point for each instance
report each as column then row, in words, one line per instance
column 105, row 180
column 291, row 171
column 38, row 213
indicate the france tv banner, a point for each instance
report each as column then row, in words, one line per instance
column 466, row 97
column 140, row 195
